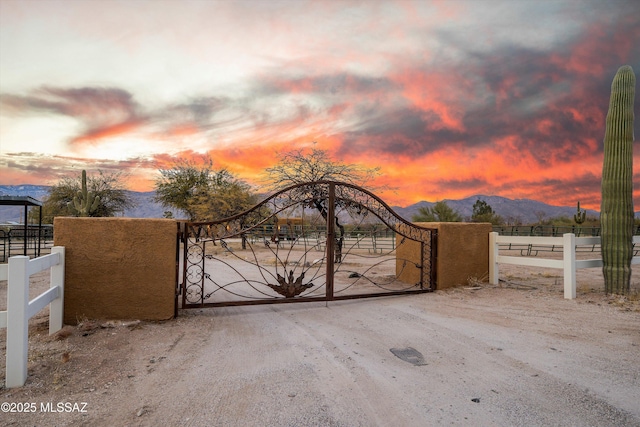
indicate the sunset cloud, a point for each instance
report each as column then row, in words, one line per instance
column 449, row 98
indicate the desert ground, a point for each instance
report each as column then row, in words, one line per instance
column 515, row 354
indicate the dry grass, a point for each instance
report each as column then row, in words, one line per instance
column 478, row 281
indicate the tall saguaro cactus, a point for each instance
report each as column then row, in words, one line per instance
column 580, row 216
column 616, row 213
column 86, row 202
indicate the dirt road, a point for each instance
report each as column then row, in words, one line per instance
column 513, row 355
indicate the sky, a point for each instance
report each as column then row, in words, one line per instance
column 450, row 98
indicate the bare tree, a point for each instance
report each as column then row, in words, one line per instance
column 540, row 215
column 311, row 165
column 314, row 164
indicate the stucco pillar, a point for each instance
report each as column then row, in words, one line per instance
column 118, row 268
column 462, row 253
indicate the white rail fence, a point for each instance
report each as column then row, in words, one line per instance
column 20, row 309
column 569, row 264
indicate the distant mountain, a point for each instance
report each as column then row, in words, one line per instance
column 525, row 210
column 35, row 191
column 145, row 206
column 16, row 213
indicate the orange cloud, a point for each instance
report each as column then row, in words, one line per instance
column 182, row 130
column 434, row 92
column 107, row 132
column 599, row 46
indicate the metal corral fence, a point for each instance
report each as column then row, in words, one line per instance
column 12, row 240
column 551, row 230
column 534, row 247
column 371, row 239
column 568, row 245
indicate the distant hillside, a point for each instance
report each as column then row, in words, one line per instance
column 527, row 211
column 35, row 191
column 16, row 213
column 145, row 206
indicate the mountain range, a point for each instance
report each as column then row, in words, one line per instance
column 523, row 210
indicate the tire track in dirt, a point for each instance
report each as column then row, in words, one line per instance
column 526, row 358
column 316, row 365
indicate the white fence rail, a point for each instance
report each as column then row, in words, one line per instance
column 569, row 264
column 20, row 309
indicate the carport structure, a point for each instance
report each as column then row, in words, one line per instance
column 25, row 201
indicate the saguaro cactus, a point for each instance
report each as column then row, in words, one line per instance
column 86, row 202
column 580, row 215
column 616, row 213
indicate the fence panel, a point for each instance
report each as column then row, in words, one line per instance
column 20, row 309
column 568, row 263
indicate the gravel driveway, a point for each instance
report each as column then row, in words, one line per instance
column 513, row 355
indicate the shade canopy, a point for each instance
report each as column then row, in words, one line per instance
column 25, row 201
column 19, row 201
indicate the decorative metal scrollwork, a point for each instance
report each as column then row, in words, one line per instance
column 322, row 240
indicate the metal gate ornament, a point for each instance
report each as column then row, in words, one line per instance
column 342, row 238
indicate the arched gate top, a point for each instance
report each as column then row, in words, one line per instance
column 315, row 195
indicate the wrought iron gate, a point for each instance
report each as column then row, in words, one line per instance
column 318, row 241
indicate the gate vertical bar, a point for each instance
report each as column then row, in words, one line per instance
column 331, row 239
column 39, row 230
column 26, row 229
column 204, row 251
column 185, row 251
column 434, row 260
column 422, row 264
column 178, row 285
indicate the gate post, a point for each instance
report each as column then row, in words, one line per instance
column 331, row 239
